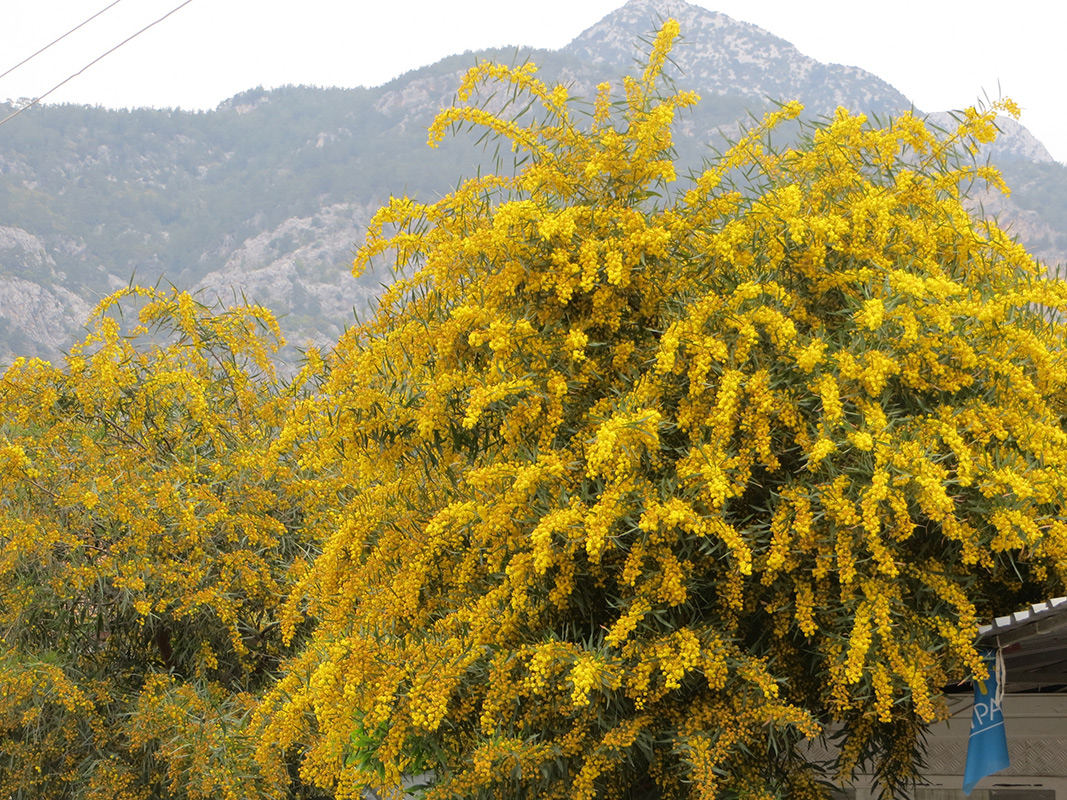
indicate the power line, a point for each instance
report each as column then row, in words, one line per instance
column 60, row 39
column 95, row 60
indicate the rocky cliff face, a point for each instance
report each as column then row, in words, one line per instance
column 267, row 196
column 300, row 269
column 36, row 319
column 38, row 316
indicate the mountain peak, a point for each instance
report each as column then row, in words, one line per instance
column 616, row 33
column 734, row 57
column 665, row 8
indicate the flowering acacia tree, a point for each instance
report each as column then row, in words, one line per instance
column 633, row 497
column 146, row 536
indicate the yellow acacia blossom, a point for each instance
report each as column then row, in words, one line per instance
column 145, row 547
column 652, row 482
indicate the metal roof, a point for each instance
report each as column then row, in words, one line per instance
column 1039, row 618
column 1034, row 644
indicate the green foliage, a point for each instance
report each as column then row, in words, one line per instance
column 147, row 538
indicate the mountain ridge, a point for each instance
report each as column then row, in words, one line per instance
column 736, row 57
column 268, row 194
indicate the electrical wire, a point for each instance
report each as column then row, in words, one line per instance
column 60, row 39
column 94, row 61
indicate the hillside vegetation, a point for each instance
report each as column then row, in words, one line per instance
column 268, row 194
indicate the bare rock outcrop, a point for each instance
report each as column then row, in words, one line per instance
column 299, row 271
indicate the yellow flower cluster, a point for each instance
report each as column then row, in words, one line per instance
column 145, row 541
column 651, row 483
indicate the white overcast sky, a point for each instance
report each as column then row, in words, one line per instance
column 942, row 54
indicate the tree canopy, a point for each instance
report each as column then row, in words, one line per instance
column 631, row 490
column 633, row 487
column 147, row 541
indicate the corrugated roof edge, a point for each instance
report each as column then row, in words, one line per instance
column 1013, row 627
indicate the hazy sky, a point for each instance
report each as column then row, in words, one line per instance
column 942, row 54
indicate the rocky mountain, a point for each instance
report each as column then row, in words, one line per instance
column 268, row 195
column 728, row 57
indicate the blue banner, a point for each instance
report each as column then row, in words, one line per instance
column 987, row 748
